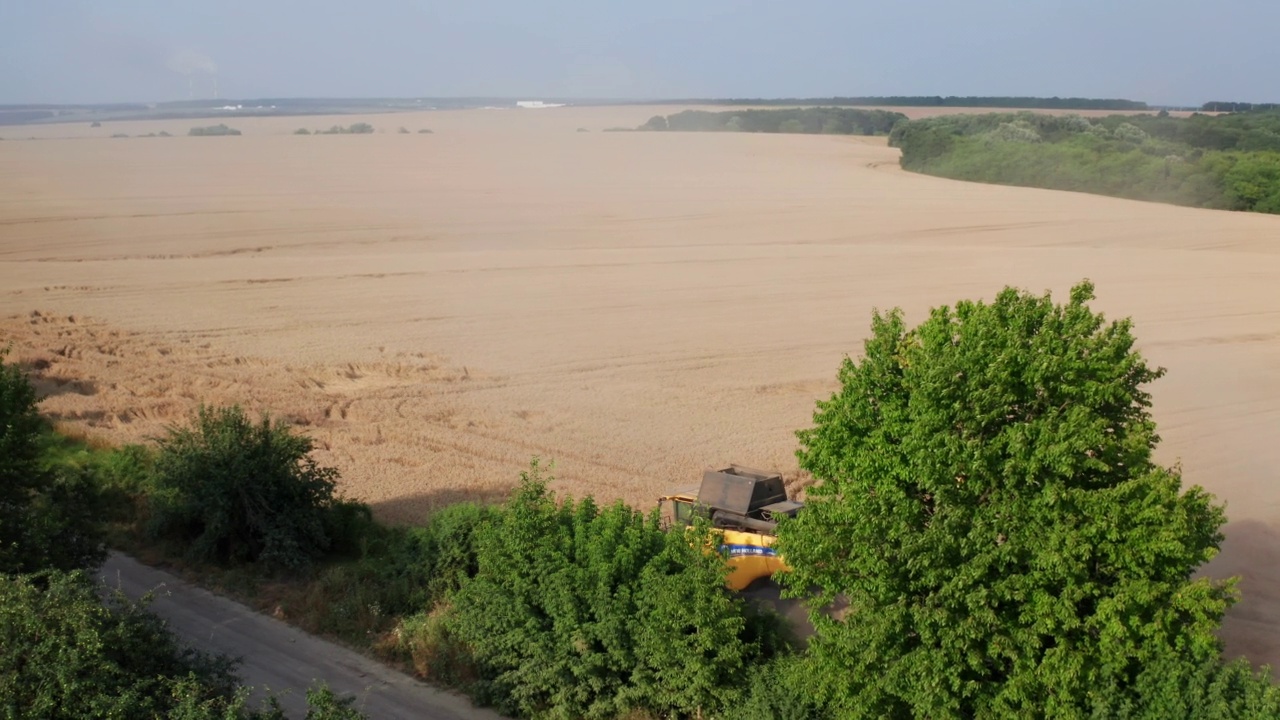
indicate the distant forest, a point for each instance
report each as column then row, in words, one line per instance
column 1228, row 162
column 813, row 120
column 1218, row 106
column 1029, row 103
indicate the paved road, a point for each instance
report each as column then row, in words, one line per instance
column 280, row 657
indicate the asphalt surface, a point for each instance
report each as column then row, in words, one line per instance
column 280, row 658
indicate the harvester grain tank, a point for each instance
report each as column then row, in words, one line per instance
column 744, row 506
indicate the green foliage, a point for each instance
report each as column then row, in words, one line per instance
column 302, row 131
column 353, row 129
column 66, row 654
column 575, row 611
column 324, row 704
column 49, row 517
column 657, row 122
column 828, row 120
column 777, row 692
column 1175, row 687
column 20, row 428
column 991, row 512
column 1253, row 182
column 791, row 126
column 212, row 130
column 1226, row 162
column 237, row 491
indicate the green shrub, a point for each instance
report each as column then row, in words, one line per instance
column 302, row 131
column 353, row 129
column 434, row 651
column 776, row 691
column 64, row 654
column 212, row 130
column 576, row 611
column 234, row 491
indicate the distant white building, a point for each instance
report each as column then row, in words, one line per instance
column 536, row 104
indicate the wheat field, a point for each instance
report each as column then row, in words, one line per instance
column 437, row 309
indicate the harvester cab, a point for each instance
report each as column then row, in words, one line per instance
column 744, row 506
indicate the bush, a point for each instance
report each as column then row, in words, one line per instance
column 233, row 491
column 353, row 129
column 580, row 612
column 302, row 131
column 776, row 691
column 65, row 653
column 425, row 131
column 403, row 131
column 95, row 124
column 211, row 130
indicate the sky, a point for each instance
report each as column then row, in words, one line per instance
column 1178, row 52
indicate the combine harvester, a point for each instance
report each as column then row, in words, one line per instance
column 743, row 506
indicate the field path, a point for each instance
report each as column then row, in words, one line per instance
column 280, row 657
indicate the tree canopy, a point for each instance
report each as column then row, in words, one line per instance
column 991, row 514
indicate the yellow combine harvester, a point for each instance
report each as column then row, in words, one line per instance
column 743, row 506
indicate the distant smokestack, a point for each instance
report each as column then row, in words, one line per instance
column 189, row 62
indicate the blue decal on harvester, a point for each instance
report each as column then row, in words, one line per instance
column 742, row 550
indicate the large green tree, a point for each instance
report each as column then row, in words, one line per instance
column 991, row 514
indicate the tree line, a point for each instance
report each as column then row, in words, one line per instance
column 1232, row 107
column 990, row 537
column 1229, row 162
column 970, row 101
column 825, row 120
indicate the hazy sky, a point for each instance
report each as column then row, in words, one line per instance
column 1162, row 51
